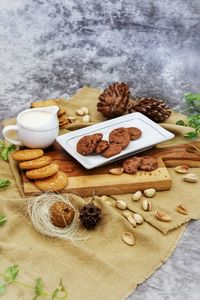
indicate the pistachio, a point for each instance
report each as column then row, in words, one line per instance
column 181, row 209
column 86, row 118
column 120, row 204
column 128, row 238
column 191, row 178
column 138, row 218
column 146, row 205
column 132, row 221
column 85, row 110
column 150, row 192
column 116, row 171
column 160, row 215
column 136, row 196
column 126, row 213
column 79, row 112
column 183, row 169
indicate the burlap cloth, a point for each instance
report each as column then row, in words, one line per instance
column 103, row 267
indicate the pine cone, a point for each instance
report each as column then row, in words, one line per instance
column 90, row 215
column 114, row 100
column 154, row 109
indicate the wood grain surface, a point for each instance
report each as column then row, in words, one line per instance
column 99, row 181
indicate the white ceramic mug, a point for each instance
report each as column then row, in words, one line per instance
column 35, row 127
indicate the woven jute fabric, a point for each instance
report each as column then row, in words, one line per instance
column 103, row 267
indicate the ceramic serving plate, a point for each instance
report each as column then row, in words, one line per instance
column 152, row 134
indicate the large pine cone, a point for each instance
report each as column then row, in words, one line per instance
column 90, row 215
column 154, row 109
column 114, row 100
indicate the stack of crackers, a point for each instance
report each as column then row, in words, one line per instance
column 39, row 169
column 62, row 117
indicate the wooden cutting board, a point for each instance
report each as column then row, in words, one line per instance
column 99, row 181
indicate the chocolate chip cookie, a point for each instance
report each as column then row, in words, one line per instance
column 101, row 146
column 87, row 144
column 135, row 133
column 113, row 149
column 148, row 163
column 120, row 136
column 131, row 165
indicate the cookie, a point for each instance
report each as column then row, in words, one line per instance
column 27, row 154
column 131, row 165
column 61, row 214
column 135, row 133
column 61, row 112
column 35, row 163
column 87, row 144
column 120, row 136
column 43, row 172
column 148, row 163
column 113, row 149
column 45, row 103
column 101, row 146
column 52, row 184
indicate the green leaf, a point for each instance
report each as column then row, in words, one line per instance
column 6, row 151
column 4, row 183
column 39, row 288
column 2, row 287
column 10, row 273
column 181, row 123
column 192, row 97
column 191, row 135
column 60, row 293
column 3, row 219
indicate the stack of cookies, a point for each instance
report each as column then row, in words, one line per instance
column 63, row 120
column 39, row 168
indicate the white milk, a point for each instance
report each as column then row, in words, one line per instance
column 35, row 119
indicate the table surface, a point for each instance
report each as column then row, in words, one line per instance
column 51, row 48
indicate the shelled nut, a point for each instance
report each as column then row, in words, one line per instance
column 85, row 110
column 86, row 118
column 136, row 196
column 120, row 204
column 138, row 218
column 150, row 192
column 191, row 178
column 79, row 112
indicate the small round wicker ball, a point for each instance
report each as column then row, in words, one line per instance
column 61, row 214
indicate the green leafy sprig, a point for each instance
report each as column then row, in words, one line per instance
column 194, row 122
column 3, row 219
column 4, row 183
column 5, row 150
column 9, row 277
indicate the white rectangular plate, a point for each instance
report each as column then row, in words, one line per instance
column 152, row 134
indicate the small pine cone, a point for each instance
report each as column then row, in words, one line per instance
column 90, row 215
column 114, row 100
column 154, row 109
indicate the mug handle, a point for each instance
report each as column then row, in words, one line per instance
column 8, row 128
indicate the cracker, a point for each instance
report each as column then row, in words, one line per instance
column 27, row 154
column 52, row 184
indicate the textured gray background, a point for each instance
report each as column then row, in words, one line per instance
column 52, row 48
